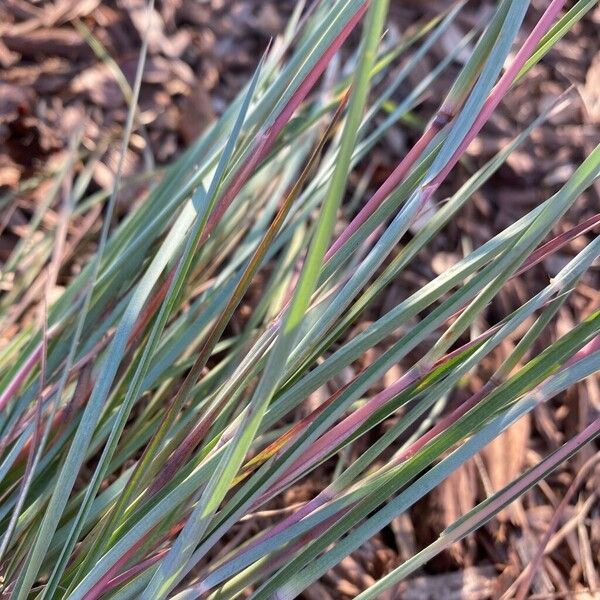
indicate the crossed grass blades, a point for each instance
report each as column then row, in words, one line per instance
column 137, row 427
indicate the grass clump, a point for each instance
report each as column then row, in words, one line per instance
column 139, row 426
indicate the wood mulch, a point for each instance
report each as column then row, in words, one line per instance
column 66, row 69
